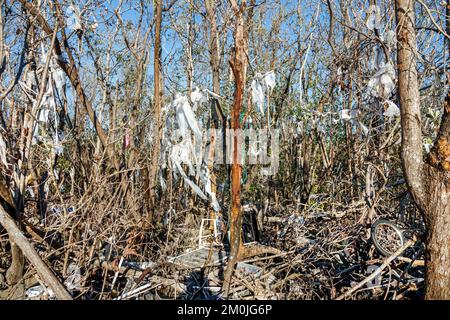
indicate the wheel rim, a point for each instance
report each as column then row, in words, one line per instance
column 388, row 238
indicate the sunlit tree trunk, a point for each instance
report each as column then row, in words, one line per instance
column 429, row 182
column 239, row 67
column 214, row 61
column 157, row 102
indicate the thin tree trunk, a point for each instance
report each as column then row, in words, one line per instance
column 429, row 185
column 158, row 104
column 214, row 63
column 239, row 66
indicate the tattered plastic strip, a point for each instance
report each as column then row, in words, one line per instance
column 3, row 151
column 186, row 117
column 261, row 85
column 194, row 187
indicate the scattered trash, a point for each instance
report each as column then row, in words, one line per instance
column 39, row 292
column 73, row 280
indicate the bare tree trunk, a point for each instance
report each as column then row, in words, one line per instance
column 214, row 63
column 158, row 103
column 429, row 185
column 239, row 67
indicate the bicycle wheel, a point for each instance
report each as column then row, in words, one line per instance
column 386, row 237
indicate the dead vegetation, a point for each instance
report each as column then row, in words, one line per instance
column 108, row 189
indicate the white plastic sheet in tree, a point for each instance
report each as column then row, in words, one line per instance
column 373, row 17
column 381, row 84
column 390, row 38
column 73, row 18
column 198, row 97
column 345, row 114
column 60, row 79
column 269, row 80
column 392, row 110
column 261, row 86
column 188, row 152
column 186, row 117
column 205, row 178
column 258, row 95
column 3, row 151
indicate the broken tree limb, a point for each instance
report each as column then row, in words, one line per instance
column 30, row 253
column 378, row 271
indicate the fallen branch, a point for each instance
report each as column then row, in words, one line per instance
column 378, row 271
column 30, row 253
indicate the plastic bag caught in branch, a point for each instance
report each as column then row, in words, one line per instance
column 381, row 84
column 261, row 85
column 59, row 77
column 73, row 18
column 197, row 98
column 373, row 18
column 186, row 117
column 392, row 110
column 205, row 178
column 269, row 80
column 258, row 95
column 3, row 151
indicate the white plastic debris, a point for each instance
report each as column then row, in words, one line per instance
column 60, row 79
column 364, row 129
column 38, row 291
column 73, row 281
column 390, row 38
column 382, row 83
column 3, row 151
column 186, row 117
column 269, row 80
column 262, row 85
column 344, row 114
column 188, row 151
column 373, row 18
column 73, row 18
column 258, row 95
column 392, row 110
column 197, row 98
